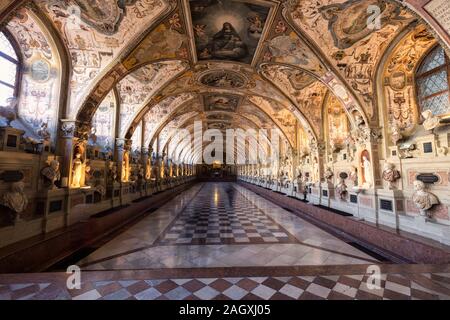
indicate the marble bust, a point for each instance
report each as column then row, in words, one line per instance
column 423, row 199
column 329, row 174
column 15, row 199
column 390, row 174
column 430, row 121
column 51, row 174
column 341, row 189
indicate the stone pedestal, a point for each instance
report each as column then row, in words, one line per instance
column 327, row 193
column 316, row 194
column 287, row 189
column 52, row 204
column 390, row 205
column 10, row 139
column 124, row 193
column 113, row 192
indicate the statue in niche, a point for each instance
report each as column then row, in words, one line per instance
column 367, row 170
column 423, row 199
column 299, row 181
column 16, row 200
column 77, row 171
column 329, row 174
column 170, row 174
column 390, row 174
column 125, row 177
column 162, row 169
column 51, row 175
column 88, row 175
column 155, row 172
column 148, row 169
column 431, row 121
column 315, row 171
column 112, row 172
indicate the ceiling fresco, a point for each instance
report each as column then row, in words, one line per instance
column 228, row 29
column 138, row 87
column 230, row 63
column 95, row 33
column 340, row 29
column 160, row 113
column 223, row 79
column 221, row 102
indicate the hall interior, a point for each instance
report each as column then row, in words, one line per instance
column 225, row 149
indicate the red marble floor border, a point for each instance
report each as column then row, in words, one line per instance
column 226, row 272
column 393, row 242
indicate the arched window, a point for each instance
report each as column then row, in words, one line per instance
column 9, row 63
column 433, row 82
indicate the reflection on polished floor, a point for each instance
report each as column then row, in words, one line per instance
column 221, row 241
column 222, row 225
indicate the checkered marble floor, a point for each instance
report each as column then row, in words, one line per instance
column 222, row 215
column 331, row 287
column 222, row 225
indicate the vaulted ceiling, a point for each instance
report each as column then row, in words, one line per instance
column 240, row 64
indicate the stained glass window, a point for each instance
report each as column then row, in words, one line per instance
column 433, row 82
column 8, row 74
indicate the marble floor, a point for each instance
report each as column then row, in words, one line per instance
column 222, row 225
column 340, row 283
column 221, row 241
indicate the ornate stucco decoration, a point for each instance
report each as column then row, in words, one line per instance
column 398, row 79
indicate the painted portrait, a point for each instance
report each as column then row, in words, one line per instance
column 227, row 29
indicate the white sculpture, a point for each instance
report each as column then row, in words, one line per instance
column 367, row 166
column 51, row 174
column 430, row 121
column 77, row 170
column 423, row 199
column 16, row 199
